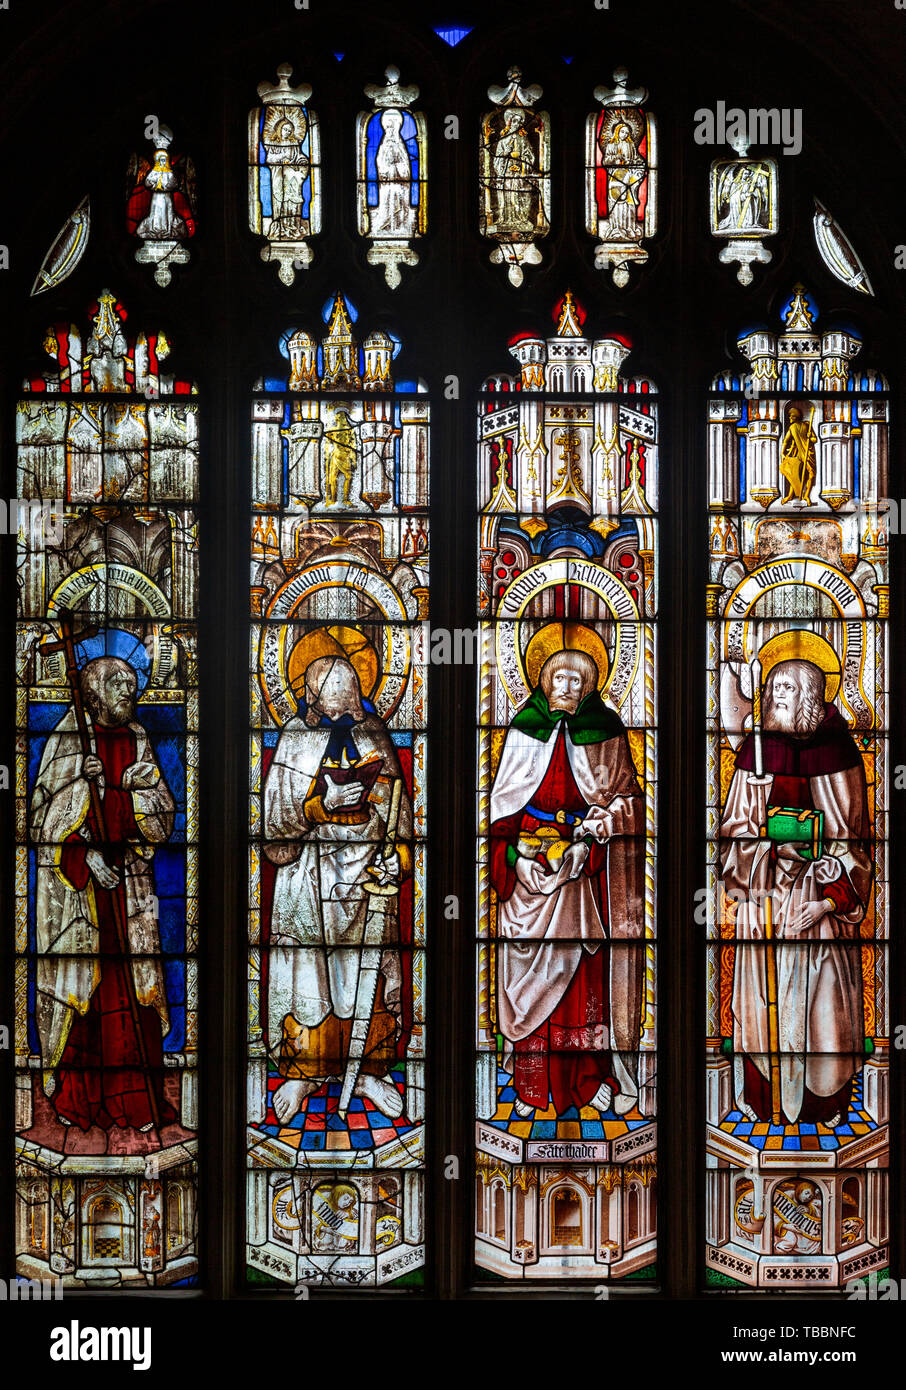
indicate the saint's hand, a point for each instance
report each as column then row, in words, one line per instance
column 340, row 795
column 391, row 864
column 386, row 868
column 105, row 876
column 807, row 915
column 140, row 777
column 92, row 767
column 574, row 858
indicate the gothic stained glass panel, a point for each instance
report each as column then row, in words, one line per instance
column 565, row 952
column 106, row 990
column 161, row 207
column 514, row 175
column 392, row 175
column 285, row 173
column 796, row 905
column 621, row 177
column 337, row 813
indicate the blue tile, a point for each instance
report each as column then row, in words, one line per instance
column 757, row 1140
column 808, row 1129
column 544, row 1129
column 379, row 1121
column 790, row 1142
column 315, row 1142
column 827, row 1141
column 843, row 1129
column 775, row 1129
column 592, row 1129
column 360, row 1138
column 317, row 1106
column 745, row 1128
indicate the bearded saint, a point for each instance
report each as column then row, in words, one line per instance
column 797, row 459
column 811, row 762
column 96, row 1069
column 569, row 1008
column 326, row 830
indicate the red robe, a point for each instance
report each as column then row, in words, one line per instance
column 554, row 1062
column 100, row 1080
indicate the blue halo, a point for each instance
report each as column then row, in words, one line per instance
column 113, row 641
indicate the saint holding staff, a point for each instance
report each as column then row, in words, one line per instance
column 795, row 853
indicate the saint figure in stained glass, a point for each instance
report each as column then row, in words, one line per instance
column 96, row 816
column 805, row 882
column 565, row 805
column 334, row 806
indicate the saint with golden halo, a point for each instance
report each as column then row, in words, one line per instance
column 796, row 855
column 567, row 864
column 337, row 820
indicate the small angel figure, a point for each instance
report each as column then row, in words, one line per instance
column 161, row 207
column 162, row 222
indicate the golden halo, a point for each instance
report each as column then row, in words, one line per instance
column 559, row 637
column 336, row 640
column 800, row 645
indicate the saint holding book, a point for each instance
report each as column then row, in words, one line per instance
column 327, row 813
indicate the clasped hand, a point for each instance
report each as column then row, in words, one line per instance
column 136, row 777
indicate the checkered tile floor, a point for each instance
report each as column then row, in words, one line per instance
column 574, row 1123
column 318, row 1127
column 802, row 1138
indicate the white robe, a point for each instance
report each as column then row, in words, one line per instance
column 320, row 904
column 67, row 931
column 819, row 985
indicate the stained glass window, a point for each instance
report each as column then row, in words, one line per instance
column 514, row 175
column 161, row 207
column 796, row 907
column 106, row 990
column 567, row 782
column 285, row 173
column 391, row 157
column 621, row 177
column 338, row 798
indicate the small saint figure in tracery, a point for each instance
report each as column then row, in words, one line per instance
column 797, row 459
column 514, row 177
column 339, row 447
column 625, row 171
column 395, row 214
column 284, row 132
column 163, row 222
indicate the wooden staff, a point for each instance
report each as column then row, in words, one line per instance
column 97, row 826
column 773, row 1022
